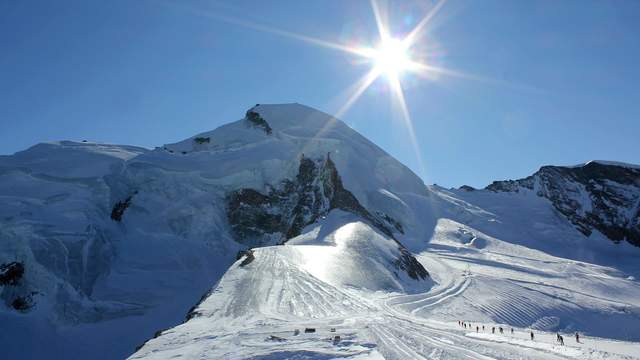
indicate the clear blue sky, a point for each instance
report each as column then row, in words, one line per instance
column 560, row 80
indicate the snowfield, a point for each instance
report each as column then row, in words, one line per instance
column 260, row 310
column 288, row 235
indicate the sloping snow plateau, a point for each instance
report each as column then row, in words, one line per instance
column 103, row 246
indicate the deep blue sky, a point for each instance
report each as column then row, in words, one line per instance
column 559, row 79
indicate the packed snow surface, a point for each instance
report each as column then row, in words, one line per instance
column 262, row 309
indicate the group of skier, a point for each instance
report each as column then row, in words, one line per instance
column 466, row 325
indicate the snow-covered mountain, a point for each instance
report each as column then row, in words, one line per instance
column 598, row 195
column 288, row 219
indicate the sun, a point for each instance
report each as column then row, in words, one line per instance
column 392, row 57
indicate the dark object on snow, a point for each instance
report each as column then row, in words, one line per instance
column 577, row 337
column 296, row 332
column 119, row 208
column 155, row 335
column 333, row 330
column 493, row 330
column 309, row 330
column 275, row 338
column 531, row 335
column 249, row 257
column 11, row 273
column 202, row 140
column 336, row 339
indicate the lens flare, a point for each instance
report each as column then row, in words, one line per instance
column 392, row 57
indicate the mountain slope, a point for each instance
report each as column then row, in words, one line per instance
column 116, row 237
column 598, row 195
column 291, row 219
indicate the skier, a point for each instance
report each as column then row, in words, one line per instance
column 501, row 331
column 577, row 337
column 493, row 330
column 482, row 327
column 511, row 331
column 531, row 335
column 477, row 329
column 561, row 340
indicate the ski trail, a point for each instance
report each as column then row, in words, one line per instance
column 393, row 344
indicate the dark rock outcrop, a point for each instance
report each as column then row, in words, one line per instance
column 248, row 257
column 202, row 140
column 261, row 219
column 22, row 303
column 120, row 207
column 11, row 273
column 258, row 121
column 407, row 263
column 595, row 196
column 265, row 219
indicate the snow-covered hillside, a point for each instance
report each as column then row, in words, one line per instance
column 288, row 219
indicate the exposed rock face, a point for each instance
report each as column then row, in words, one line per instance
column 202, row 140
column 261, row 219
column 119, row 208
column 410, row 265
column 264, row 219
column 15, row 293
column 256, row 120
column 596, row 196
column 11, row 273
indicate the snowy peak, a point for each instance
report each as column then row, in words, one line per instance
column 265, row 146
column 599, row 195
column 610, row 163
column 263, row 123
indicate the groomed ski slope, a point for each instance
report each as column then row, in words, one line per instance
column 255, row 309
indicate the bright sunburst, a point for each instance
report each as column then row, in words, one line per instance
column 392, row 57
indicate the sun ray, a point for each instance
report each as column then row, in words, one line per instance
column 272, row 30
column 381, row 21
column 358, row 89
column 411, row 38
column 396, row 87
column 360, row 86
column 391, row 57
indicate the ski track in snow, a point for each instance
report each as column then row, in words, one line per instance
column 379, row 324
